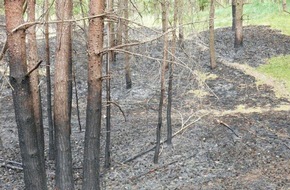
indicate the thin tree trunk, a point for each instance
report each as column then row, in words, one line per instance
column 170, row 81
column 120, row 23
column 165, row 7
column 234, row 6
column 34, row 171
column 91, row 162
column 108, row 92
column 51, row 151
column 239, row 25
column 32, row 60
column 211, row 35
column 111, row 32
column 180, row 21
column 63, row 97
column 126, row 37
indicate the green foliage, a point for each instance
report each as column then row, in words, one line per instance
column 202, row 4
column 279, row 68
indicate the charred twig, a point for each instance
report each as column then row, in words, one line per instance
column 227, row 126
column 34, row 68
column 111, row 102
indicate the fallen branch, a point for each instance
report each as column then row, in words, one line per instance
column 11, row 164
column 227, row 126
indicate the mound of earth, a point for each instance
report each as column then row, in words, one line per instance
column 231, row 131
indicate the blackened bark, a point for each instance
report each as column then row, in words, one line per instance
column 51, row 151
column 165, row 7
column 32, row 60
column 91, row 162
column 34, row 172
column 63, row 97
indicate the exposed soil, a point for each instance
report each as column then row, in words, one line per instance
column 233, row 132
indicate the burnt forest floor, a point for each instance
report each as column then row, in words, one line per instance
column 232, row 124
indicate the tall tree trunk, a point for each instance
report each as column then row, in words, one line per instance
column 108, row 92
column 165, row 7
column 211, row 35
column 170, row 81
column 34, row 171
column 91, row 167
column 234, row 6
column 51, row 151
column 239, row 24
column 32, row 60
column 126, row 37
column 63, row 97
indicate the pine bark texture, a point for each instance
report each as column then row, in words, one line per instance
column 91, row 162
column 211, row 35
column 32, row 60
column 63, row 97
column 33, row 168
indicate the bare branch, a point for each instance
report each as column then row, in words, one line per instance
column 33, row 69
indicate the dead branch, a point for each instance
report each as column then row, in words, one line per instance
column 227, row 126
column 26, row 25
column 111, row 102
column 34, row 68
column 11, row 164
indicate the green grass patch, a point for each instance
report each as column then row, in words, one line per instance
column 279, row 68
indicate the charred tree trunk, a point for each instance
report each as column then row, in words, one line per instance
column 34, row 171
column 239, row 25
column 63, row 97
column 91, row 167
column 51, row 151
column 211, row 35
column 165, row 7
column 34, row 80
column 108, row 92
column 170, row 81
